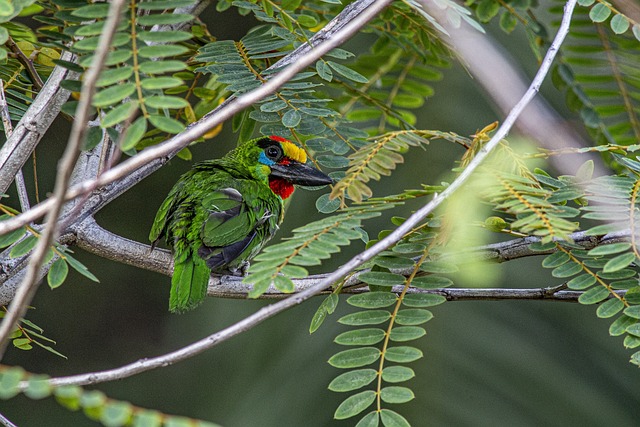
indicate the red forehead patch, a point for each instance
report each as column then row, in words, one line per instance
column 278, row 138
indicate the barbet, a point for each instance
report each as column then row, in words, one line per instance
column 221, row 213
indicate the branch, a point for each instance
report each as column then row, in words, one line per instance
column 271, row 310
column 31, row 128
column 29, row 285
column 553, row 293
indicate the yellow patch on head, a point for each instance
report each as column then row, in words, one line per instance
column 294, row 152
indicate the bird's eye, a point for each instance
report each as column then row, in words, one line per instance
column 273, row 152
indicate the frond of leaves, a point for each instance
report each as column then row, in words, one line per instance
column 601, row 11
column 310, row 244
column 94, row 404
column 28, row 334
column 134, row 92
column 385, row 323
column 599, row 70
column 534, row 209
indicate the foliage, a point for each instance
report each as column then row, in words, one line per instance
column 356, row 114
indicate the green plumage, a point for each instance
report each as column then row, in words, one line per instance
column 222, row 212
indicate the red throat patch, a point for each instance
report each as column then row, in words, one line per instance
column 281, row 187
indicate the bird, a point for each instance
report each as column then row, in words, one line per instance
column 220, row 214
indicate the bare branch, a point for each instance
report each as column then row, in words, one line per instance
column 6, row 422
column 31, row 128
column 28, row 287
column 271, row 310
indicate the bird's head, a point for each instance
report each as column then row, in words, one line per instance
column 285, row 165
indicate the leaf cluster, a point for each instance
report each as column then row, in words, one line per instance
column 94, row 404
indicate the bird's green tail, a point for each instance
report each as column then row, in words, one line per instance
column 189, row 283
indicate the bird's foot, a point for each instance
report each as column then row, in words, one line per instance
column 242, row 270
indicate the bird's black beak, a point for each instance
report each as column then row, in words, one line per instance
column 300, row 174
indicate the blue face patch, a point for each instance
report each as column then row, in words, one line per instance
column 265, row 160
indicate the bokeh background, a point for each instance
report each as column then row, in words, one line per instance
column 485, row 363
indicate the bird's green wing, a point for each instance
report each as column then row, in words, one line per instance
column 160, row 223
column 229, row 229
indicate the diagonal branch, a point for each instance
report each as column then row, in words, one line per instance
column 28, row 287
column 273, row 309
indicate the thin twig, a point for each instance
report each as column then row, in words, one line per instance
column 273, row 309
column 6, row 422
column 36, row 80
column 28, row 287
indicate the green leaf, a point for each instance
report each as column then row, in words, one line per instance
column 347, row 72
column 397, row 374
column 406, row 333
column 324, row 71
column 423, row 300
column 154, row 83
column 439, row 267
column 413, row 316
column 613, row 248
column 619, row 262
column 146, row 418
column 23, row 247
column 633, row 311
column 57, row 273
column 599, row 13
column 634, row 329
column 393, row 419
column 620, row 325
column 80, row 268
column 355, row 358
column 165, row 36
column 594, row 295
column 118, row 114
column 402, row 354
column 11, row 237
column 619, row 24
column 508, row 22
column 291, row 118
column 166, row 124
column 381, row 278
column 114, row 94
column 162, row 51
column 161, row 67
column 10, row 381
column 373, row 300
column 92, row 11
column 431, row 282
column 68, row 396
column 353, row 380
column 161, row 102
column 396, row 394
column 370, row 317
column 366, row 336
column 372, row 419
column 609, row 308
column 134, row 134
column 355, row 404
column 567, row 270
column 116, row 414
column 581, row 282
column 38, row 387
column 22, row 343
column 636, row 33
column 487, row 9
column 393, row 262
column 556, row 259
column 327, row 307
column 586, row 3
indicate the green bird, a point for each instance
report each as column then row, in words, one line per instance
column 222, row 212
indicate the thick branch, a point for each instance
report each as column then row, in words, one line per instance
column 31, row 128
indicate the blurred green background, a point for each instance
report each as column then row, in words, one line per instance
column 485, row 363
